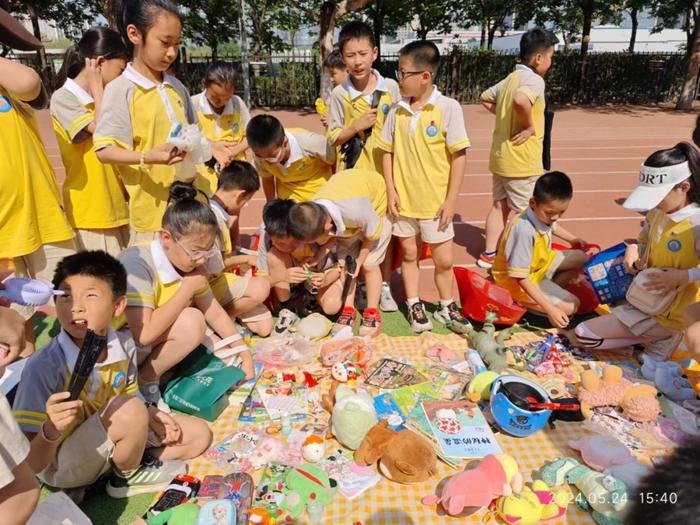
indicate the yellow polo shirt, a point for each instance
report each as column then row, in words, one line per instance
column 93, row 195
column 30, row 207
column 229, row 126
column 506, row 159
column 524, row 252
column 422, row 143
column 347, row 104
column 309, row 166
column 134, row 116
column 358, row 202
column 674, row 242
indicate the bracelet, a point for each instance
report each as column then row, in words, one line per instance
column 46, row 438
column 142, row 162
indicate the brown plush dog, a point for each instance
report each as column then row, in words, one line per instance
column 404, row 457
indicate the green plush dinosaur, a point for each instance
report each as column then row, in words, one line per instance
column 491, row 349
column 603, row 494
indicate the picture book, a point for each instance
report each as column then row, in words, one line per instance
column 387, row 409
column 460, row 429
column 416, row 421
column 279, row 397
column 269, row 495
column 390, row 374
column 353, row 479
column 447, row 383
column 409, row 396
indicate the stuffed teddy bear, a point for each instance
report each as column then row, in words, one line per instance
column 535, row 503
column 497, row 475
column 352, row 415
column 404, row 456
column 607, row 454
column 304, row 484
column 607, row 496
column 638, row 402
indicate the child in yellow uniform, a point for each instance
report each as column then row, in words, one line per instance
column 108, row 427
column 293, row 163
column 141, row 109
column 34, row 230
column 425, row 144
column 669, row 189
column 351, row 113
column 350, row 212
column 527, row 266
column 516, row 151
column 169, row 301
column 338, row 72
column 223, row 117
column 93, row 195
column 241, row 295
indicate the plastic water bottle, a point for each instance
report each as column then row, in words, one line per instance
column 286, row 421
column 475, row 360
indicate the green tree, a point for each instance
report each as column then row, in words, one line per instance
column 670, row 13
column 633, row 8
column 386, row 16
column 563, row 17
column 263, row 17
column 211, row 22
column 432, row 15
column 489, row 14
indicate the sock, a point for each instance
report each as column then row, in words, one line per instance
column 410, row 301
column 489, row 254
column 444, row 303
column 124, row 474
column 384, row 283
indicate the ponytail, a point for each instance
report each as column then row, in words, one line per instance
column 95, row 42
column 185, row 214
column 678, row 154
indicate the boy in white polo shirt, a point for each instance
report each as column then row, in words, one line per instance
column 424, row 142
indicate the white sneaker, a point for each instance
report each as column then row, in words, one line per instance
column 386, row 300
column 452, row 318
column 152, row 475
column 285, row 321
column 418, row 318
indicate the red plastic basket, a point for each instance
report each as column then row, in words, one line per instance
column 581, row 288
column 479, row 296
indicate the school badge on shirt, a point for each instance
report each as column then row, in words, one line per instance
column 432, row 130
column 674, row 245
column 5, row 105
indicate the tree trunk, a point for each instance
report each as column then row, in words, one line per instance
column 214, row 45
column 492, row 34
column 41, row 52
column 422, row 33
column 484, row 30
column 378, row 29
column 325, row 40
column 685, row 100
column 588, row 8
column 635, row 25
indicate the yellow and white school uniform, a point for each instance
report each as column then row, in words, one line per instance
column 228, row 126
column 139, row 114
column 93, row 196
column 356, row 202
column 422, row 143
column 34, row 230
column 347, row 104
column 226, row 285
column 309, row 166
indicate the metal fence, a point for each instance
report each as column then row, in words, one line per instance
column 292, row 79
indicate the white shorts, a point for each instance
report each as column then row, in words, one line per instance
column 14, row 447
column 351, row 246
column 427, row 229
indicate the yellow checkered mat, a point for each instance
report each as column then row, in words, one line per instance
column 390, row 503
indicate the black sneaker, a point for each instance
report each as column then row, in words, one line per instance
column 418, row 318
column 452, row 318
column 153, row 475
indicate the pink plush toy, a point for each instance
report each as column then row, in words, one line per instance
column 602, row 452
column 497, row 475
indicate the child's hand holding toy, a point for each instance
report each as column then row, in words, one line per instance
column 60, row 415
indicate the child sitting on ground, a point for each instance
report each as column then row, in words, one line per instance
column 169, row 302
column 294, row 268
column 240, row 295
column 73, row 443
column 528, row 267
column 518, row 103
column 670, row 239
column 293, row 163
column 425, row 144
column 352, row 208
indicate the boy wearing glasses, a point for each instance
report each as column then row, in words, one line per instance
column 424, row 142
column 293, row 164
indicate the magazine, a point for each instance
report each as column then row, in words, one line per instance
column 389, row 374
